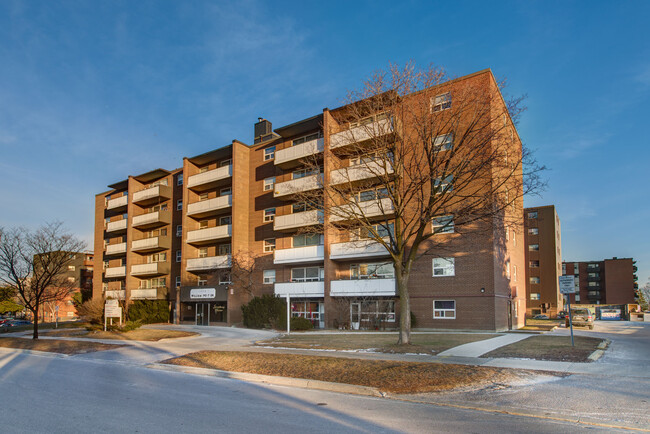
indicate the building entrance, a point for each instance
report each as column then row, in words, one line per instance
column 202, row 314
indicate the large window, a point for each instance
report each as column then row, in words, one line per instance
column 158, row 282
column 302, row 173
column 443, row 267
column 441, row 102
column 157, row 257
column 363, row 233
column 380, row 157
column 307, row 274
column 304, row 240
column 224, row 249
column 443, row 225
column 444, row 309
column 368, row 120
column 308, row 138
column 444, row 142
column 372, row 271
column 374, row 194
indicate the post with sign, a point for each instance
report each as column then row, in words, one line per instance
column 567, row 287
column 112, row 310
column 288, row 314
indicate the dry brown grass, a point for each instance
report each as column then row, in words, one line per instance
column 55, row 345
column 430, row 343
column 387, row 376
column 150, row 335
column 555, row 348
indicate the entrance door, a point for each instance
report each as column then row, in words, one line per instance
column 355, row 315
column 203, row 314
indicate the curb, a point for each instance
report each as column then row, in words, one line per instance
column 271, row 379
column 600, row 351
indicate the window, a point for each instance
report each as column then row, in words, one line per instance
column 369, row 120
column 307, row 274
column 444, row 309
column 226, row 220
column 204, row 169
column 533, row 231
column 105, row 265
column 204, row 196
column 365, row 233
column 442, row 185
column 441, row 102
column 514, row 273
column 179, row 179
column 224, row 249
column 443, row 267
column 269, row 183
column 203, row 224
column 70, row 279
column 533, row 264
column 203, row 252
column 179, row 205
column 227, row 191
column 507, row 269
column 577, row 298
column 178, row 281
column 269, row 276
column 374, row 194
column 225, row 163
column 372, row 271
column 533, row 247
column 443, row 143
column 383, row 158
column 443, row 225
column 179, row 255
column 534, row 280
column 269, row 214
column 157, row 282
column 269, row 153
column 532, row 215
column 593, row 284
column 534, row 296
column 303, row 240
column 202, row 281
column 71, row 267
column 157, row 257
column 514, row 238
column 308, row 138
column 302, row 173
column 269, row 245
column 563, row 269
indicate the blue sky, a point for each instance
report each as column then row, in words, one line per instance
column 93, row 91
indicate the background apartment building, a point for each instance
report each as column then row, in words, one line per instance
column 543, row 241
column 235, row 214
column 611, row 281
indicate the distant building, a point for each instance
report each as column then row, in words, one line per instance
column 611, row 281
column 543, row 241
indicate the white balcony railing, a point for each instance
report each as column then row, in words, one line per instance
column 152, row 193
column 118, row 225
column 144, row 294
column 209, row 234
column 299, row 254
column 115, row 294
column 300, row 289
column 156, row 217
column 372, row 169
column 115, row 249
column 298, row 220
column 117, row 202
column 115, row 271
column 210, row 176
column 207, row 206
column 151, row 269
column 367, row 209
column 299, row 185
column 361, row 133
column 208, row 263
column 297, row 152
column 362, row 288
column 152, row 243
column 357, row 249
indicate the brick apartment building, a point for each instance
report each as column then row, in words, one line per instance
column 177, row 235
column 611, row 281
column 543, row 241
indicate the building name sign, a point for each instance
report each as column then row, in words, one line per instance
column 113, row 312
column 567, row 284
column 202, row 293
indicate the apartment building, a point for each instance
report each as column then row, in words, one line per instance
column 543, row 260
column 610, row 281
column 235, row 215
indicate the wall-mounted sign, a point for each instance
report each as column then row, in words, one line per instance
column 610, row 314
column 202, row 293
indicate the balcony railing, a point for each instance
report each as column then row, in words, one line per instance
column 357, row 249
column 298, row 220
column 152, row 219
column 152, row 194
column 361, row 133
column 299, row 254
column 150, row 244
column 144, row 294
column 207, row 207
column 208, row 263
column 209, row 178
column 362, row 288
column 287, row 156
column 119, row 225
column 299, row 185
column 368, row 209
column 351, row 174
column 209, row 234
column 300, row 289
column 115, row 271
column 115, row 249
column 115, row 294
column 152, row 269
column 117, row 202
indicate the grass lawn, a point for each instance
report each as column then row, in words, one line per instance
column 430, row 343
column 387, row 376
column 55, row 346
column 555, row 348
column 42, row 326
column 133, row 335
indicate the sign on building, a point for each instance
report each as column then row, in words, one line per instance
column 567, row 284
column 202, row 293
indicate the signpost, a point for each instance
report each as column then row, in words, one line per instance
column 112, row 310
column 568, row 287
column 288, row 314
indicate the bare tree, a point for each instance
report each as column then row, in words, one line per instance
column 243, row 267
column 34, row 265
column 415, row 154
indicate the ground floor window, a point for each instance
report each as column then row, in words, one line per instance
column 312, row 310
column 444, row 309
column 363, row 314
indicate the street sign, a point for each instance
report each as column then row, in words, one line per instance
column 567, row 284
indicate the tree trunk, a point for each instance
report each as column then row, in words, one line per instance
column 401, row 280
column 35, row 312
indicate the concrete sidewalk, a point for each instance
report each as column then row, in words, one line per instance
column 478, row 348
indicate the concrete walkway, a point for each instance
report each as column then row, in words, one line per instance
column 478, row 348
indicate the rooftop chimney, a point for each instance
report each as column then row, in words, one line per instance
column 262, row 128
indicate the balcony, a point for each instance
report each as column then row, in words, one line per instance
column 299, row 254
column 152, row 195
column 208, row 207
column 208, row 235
column 361, row 133
column 210, row 179
column 297, row 220
column 152, row 219
column 111, row 272
column 116, row 249
column 593, row 295
column 357, row 249
column 308, row 183
column 368, row 209
column 145, row 293
column 593, row 278
column 152, row 244
column 116, row 294
column 363, row 288
column 116, row 226
column 151, row 269
column 360, row 172
column 208, row 263
column 118, row 202
column 290, row 157
column 300, row 289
